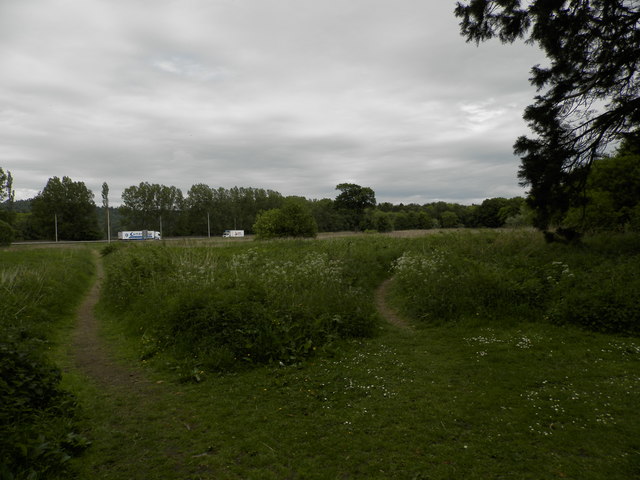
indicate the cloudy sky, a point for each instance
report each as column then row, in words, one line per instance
column 291, row 95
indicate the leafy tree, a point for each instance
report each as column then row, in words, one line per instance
column 71, row 204
column 449, row 219
column 294, row 219
column 493, row 212
column 152, row 207
column 353, row 201
column 6, row 186
column 401, row 221
column 590, row 89
column 7, row 196
column 226, row 208
column 377, row 220
column 328, row 218
column 200, row 204
column 612, row 194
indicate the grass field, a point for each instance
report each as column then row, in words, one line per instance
column 511, row 368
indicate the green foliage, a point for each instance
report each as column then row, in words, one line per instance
column 612, row 194
column 152, row 207
column 603, row 298
column 328, row 218
column 517, row 276
column 7, row 234
column 38, row 430
column 6, row 186
column 215, row 210
column 277, row 302
column 110, row 248
column 353, row 201
column 589, row 89
column 476, row 400
column 377, row 221
column 38, row 424
column 294, row 219
column 449, row 220
column 494, row 212
column 73, row 206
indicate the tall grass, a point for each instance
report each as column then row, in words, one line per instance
column 487, row 394
column 273, row 302
column 38, row 290
column 517, row 277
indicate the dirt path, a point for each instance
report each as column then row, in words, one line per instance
column 89, row 352
column 389, row 314
column 92, row 357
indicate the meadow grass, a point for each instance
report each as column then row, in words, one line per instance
column 226, row 308
column 505, row 387
column 39, row 290
column 533, row 401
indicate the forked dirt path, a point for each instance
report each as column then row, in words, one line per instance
column 91, row 356
column 388, row 313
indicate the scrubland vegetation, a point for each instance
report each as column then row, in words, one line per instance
column 39, row 431
column 272, row 302
column 269, row 360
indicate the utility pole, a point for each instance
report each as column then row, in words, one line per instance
column 55, row 220
column 208, row 226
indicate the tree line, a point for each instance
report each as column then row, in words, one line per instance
column 65, row 209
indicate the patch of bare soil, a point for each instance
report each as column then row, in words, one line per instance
column 388, row 313
column 90, row 354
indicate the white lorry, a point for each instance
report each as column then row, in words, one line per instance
column 233, row 233
column 139, row 235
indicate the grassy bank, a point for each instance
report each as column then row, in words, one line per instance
column 39, row 290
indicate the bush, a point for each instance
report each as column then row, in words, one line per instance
column 280, row 302
column 38, row 426
column 506, row 277
column 443, row 286
column 7, row 234
column 604, row 299
column 294, row 219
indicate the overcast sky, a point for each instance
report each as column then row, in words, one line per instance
column 291, row 95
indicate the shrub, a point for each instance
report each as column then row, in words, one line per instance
column 38, row 426
column 604, row 299
column 294, row 219
column 279, row 302
column 592, row 284
column 38, row 431
column 7, row 234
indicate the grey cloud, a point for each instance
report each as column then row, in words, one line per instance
column 293, row 95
